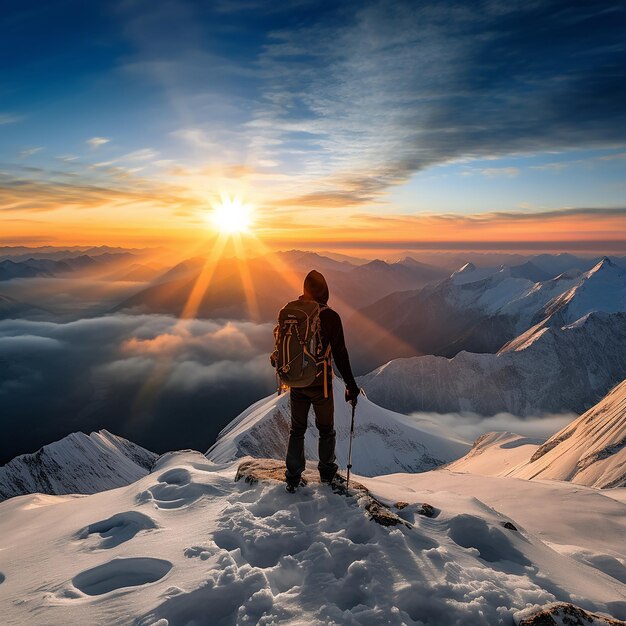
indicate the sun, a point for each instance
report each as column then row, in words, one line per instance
column 231, row 216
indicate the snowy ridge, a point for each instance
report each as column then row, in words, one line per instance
column 78, row 463
column 496, row 454
column 573, row 294
column 602, row 288
column 384, row 441
column 590, row 451
column 188, row 545
column 550, row 369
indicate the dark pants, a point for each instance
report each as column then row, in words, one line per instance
column 301, row 400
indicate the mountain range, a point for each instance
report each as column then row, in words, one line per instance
column 46, row 267
column 569, row 353
column 480, row 309
column 258, row 288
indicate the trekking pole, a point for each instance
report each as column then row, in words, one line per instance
column 350, row 445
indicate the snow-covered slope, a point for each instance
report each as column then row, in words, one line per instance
column 77, row 463
column 384, row 441
column 550, row 369
column 496, row 454
column 188, row 545
column 590, row 451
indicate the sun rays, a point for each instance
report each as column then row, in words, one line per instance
column 235, row 242
column 232, row 219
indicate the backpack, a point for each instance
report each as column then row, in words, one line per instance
column 298, row 356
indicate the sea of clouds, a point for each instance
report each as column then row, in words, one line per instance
column 162, row 382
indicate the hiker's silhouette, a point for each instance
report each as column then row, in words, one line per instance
column 309, row 336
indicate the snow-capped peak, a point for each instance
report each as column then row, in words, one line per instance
column 78, row 463
column 602, row 288
column 603, row 264
column 384, row 441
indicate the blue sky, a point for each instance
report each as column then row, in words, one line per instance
column 356, row 108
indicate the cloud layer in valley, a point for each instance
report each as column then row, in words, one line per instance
column 470, row 426
column 163, row 383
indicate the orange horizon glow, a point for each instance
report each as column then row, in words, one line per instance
column 183, row 215
column 372, row 231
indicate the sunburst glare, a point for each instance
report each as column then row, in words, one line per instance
column 231, row 215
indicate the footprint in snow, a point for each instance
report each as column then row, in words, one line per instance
column 492, row 544
column 176, row 490
column 118, row 529
column 120, row 573
column 176, row 476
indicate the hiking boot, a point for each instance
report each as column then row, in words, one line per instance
column 291, row 487
column 339, row 484
column 325, row 480
column 338, row 480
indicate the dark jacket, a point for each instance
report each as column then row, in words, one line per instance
column 316, row 288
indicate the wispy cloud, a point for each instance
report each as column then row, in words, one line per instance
column 493, row 172
column 557, row 166
column 40, row 190
column 196, row 137
column 7, row 118
column 385, row 91
column 96, row 142
column 145, row 154
column 28, row 152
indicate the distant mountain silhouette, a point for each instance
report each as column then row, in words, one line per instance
column 271, row 286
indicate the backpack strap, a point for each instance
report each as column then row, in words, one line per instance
column 326, row 358
column 326, row 366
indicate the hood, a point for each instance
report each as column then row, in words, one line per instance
column 315, row 287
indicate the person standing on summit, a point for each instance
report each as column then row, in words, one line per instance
column 307, row 336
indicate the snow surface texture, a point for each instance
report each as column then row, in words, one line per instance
column 570, row 348
column 221, row 552
column 78, row 463
column 384, row 441
column 589, row 451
